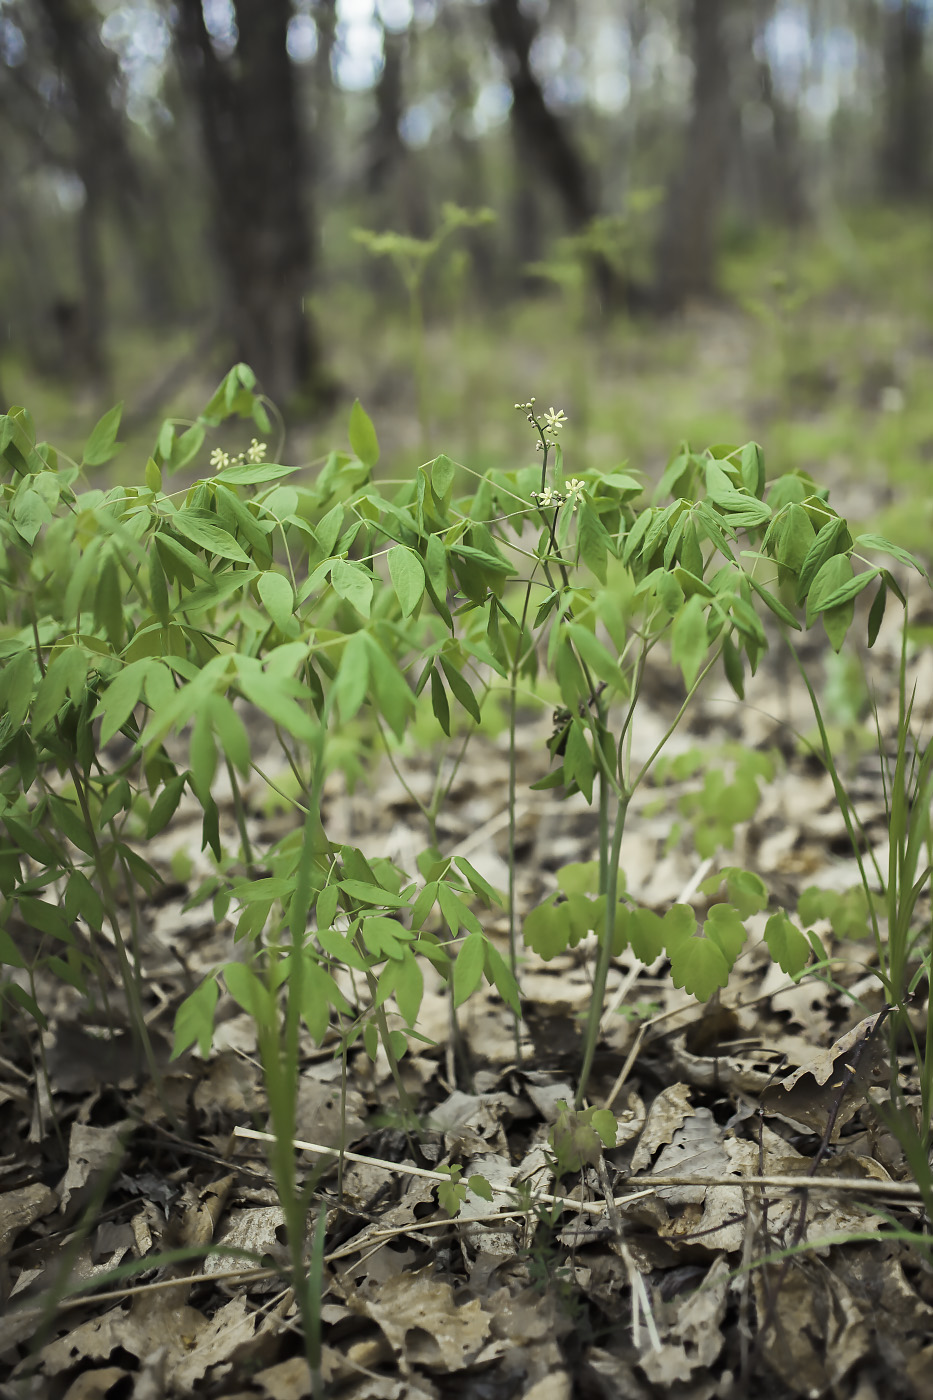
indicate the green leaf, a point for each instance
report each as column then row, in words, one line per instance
column 689, row 644
column 47, row 918
column 409, row 988
column 194, row 1019
column 876, row 613
column 374, row 895
column 500, row 974
column 871, row 541
column 746, row 890
column 468, row 967
column 266, row 691
column 158, row 589
column 362, row 435
column 752, row 469
column 593, row 541
column 67, row 674
column 102, row 443
column 575, row 1140
column 477, row 883
column 546, row 929
column 819, row 600
column 775, row 604
column 832, row 539
column 597, row 656
column 443, row 471
column 786, row 944
column 353, row 583
column 724, row 926
column 733, row 667
column 166, row 544
column 16, row 686
column 253, row 473
column 480, row 1187
column 165, row 806
column 202, row 755
column 231, row 732
column 579, row 766
column 251, row 994
column 439, row 702
column 836, row 623
column 278, row 598
column 383, row 937
column 108, row 603
column 393, row 696
column 460, row 688
column 352, row 676
column 408, row 580
column 203, row 528
column 699, row 966
column 185, row 448
column 121, row 697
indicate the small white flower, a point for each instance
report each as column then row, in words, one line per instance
column 554, row 420
column 547, row 498
column 574, row 485
column 256, row 452
column 219, row 458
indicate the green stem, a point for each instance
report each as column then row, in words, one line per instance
column 239, row 809
column 604, row 958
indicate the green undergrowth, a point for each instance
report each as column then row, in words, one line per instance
column 144, row 629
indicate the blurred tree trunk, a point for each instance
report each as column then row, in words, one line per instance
column 541, row 136
column 322, row 90
column 74, row 44
column 392, row 175
column 686, row 253
column 789, row 201
column 258, row 171
column 905, row 149
column 90, row 75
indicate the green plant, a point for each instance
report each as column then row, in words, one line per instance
column 412, row 258
column 884, row 907
column 141, row 628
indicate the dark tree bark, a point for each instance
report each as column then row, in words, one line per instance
column 789, row 202
column 89, row 75
column 258, row 170
column 905, row 149
column 74, row 45
column 321, row 97
column 541, row 136
column 686, row 254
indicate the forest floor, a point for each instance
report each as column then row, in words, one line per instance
column 662, row 1274
column 641, row 1284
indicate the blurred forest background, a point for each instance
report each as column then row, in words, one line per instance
column 700, row 218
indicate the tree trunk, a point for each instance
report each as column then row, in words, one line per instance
column 907, row 104
column 686, row 254
column 107, row 168
column 541, row 137
column 258, row 172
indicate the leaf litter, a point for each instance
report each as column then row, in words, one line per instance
column 738, row 1235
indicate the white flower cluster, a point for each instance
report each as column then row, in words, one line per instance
column 256, row 452
column 549, row 424
column 549, row 497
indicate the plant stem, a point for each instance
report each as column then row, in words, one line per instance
column 239, row 809
column 604, row 958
